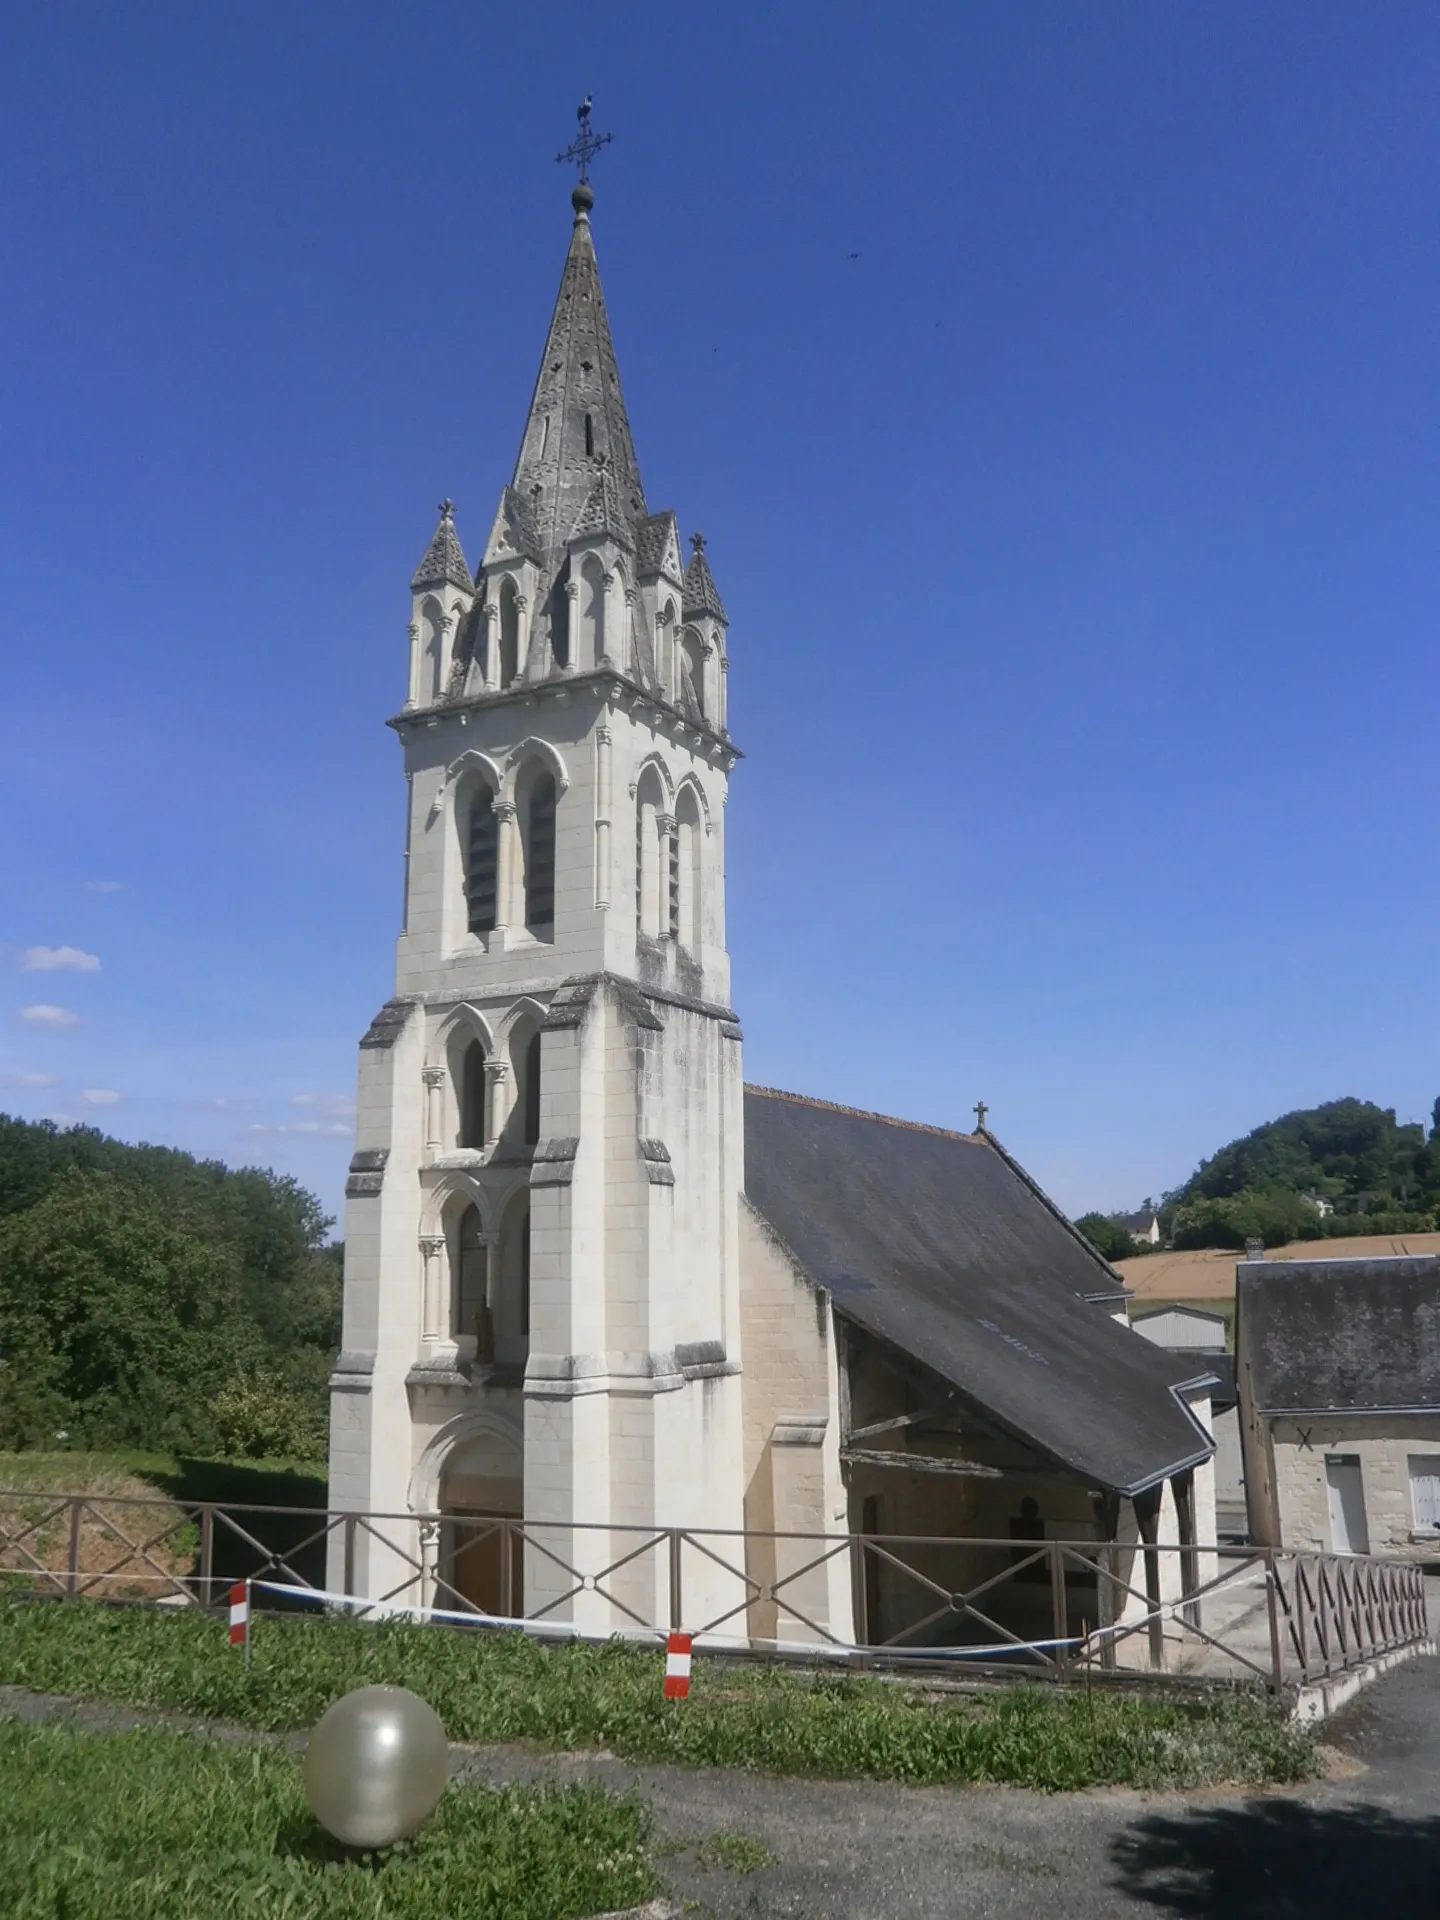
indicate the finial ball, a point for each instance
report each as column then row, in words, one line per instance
column 582, row 197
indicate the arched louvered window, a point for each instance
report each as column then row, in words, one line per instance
column 472, row 1096
column 482, row 849
column 540, row 855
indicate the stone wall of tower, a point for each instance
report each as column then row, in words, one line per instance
column 629, row 1413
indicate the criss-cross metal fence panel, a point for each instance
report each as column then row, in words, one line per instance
column 1054, row 1608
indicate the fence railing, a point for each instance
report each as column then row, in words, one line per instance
column 1055, row 1607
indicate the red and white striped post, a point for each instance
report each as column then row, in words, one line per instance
column 240, row 1617
column 677, row 1666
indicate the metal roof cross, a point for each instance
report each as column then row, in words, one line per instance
column 586, row 144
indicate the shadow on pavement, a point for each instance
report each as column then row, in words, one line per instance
column 1279, row 1859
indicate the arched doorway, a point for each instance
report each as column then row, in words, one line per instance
column 481, row 1487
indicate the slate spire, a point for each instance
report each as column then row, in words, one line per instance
column 577, row 451
column 444, row 563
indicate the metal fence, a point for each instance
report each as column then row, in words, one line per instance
column 1054, row 1608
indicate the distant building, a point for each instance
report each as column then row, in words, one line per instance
column 1321, row 1205
column 1338, row 1366
column 1144, row 1225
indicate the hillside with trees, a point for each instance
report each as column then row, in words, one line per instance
column 152, row 1300
column 1345, row 1168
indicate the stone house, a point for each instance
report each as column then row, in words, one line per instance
column 1338, row 1371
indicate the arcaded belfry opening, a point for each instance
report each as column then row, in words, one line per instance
column 536, row 799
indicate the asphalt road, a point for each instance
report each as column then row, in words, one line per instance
column 1366, row 1847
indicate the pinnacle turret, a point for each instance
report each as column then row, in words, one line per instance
column 444, row 563
column 701, row 594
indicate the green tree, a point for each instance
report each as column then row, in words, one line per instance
column 126, row 1324
column 1106, row 1235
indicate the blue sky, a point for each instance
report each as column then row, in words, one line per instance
column 1079, row 537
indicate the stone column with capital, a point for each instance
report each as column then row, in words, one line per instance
column 497, row 1076
column 610, row 622
column 491, row 616
column 602, row 816
column 434, row 1079
column 433, row 1317
column 505, row 830
column 572, row 594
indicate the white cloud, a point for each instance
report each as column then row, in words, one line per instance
column 60, row 960
column 53, row 1017
column 105, row 886
column 339, row 1105
column 331, row 1129
column 27, row 1079
column 100, row 1096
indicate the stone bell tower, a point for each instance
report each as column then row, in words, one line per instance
column 541, row 1277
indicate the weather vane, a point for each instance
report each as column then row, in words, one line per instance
column 586, row 144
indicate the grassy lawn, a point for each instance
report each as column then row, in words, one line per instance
column 162, row 1826
column 492, row 1687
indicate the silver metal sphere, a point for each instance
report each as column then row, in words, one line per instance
column 376, row 1766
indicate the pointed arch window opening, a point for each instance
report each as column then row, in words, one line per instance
column 540, row 856
column 473, row 1315
column 560, row 620
column 434, row 656
column 482, row 861
column 472, row 1096
column 589, row 436
column 509, row 664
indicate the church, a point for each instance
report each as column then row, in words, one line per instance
column 595, row 1285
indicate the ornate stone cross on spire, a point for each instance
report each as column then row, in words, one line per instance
column 980, row 1112
column 586, row 144
column 447, row 508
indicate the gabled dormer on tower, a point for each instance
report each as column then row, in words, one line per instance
column 443, row 595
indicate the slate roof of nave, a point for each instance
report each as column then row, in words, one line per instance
column 444, row 563
column 941, row 1246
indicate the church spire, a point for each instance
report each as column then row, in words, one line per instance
column 577, row 458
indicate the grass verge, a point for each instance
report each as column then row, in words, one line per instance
column 492, row 1687
column 161, row 1826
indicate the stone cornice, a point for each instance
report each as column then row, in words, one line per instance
column 612, row 687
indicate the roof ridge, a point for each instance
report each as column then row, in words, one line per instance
column 863, row 1113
